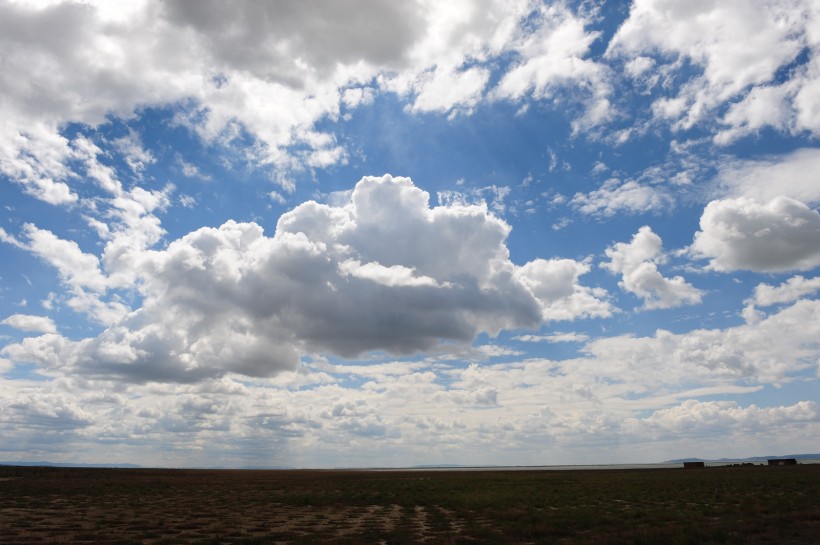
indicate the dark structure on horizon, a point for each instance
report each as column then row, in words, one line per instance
column 693, row 465
column 782, row 461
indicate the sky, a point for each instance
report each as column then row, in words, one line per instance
column 368, row 233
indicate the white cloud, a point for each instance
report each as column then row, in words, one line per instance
column 496, row 351
column 382, row 272
column 793, row 175
column 187, row 201
column 76, row 268
column 652, row 390
column 714, row 36
column 136, row 156
column 87, row 152
column 358, row 96
column 727, row 418
column 780, row 235
column 806, row 104
column 234, row 329
column 277, row 197
column 8, row 239
column 189, row 170
column 447, row 67
column 767, row 352
column 394, row 276
column 27, row 322
column 35, row 157
column 615, row 197
column 554, row 338
column 555, row 284
column 551, row 59
column 72, row 65
column 638, row 261
column 493, row 196
column 321, row 36
column 132, row 227
column 62, row 56
column 791, row 290
column 36, row 409
column 269, row 71
column 762, row 107
column 441, row 91
column 639, row 65
column 765, row 295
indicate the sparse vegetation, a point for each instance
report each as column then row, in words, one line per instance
column 730, row 505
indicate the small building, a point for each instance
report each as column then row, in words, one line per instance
column 693, row 465
column 782, row 462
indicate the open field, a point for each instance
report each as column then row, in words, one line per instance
column 735, row 505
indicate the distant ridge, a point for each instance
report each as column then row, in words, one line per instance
column 264, row 467
column 121, row 466
column 751, row 459
column 67, row 464
column 43, row 463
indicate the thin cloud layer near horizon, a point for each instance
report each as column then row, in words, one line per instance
column 322, row 234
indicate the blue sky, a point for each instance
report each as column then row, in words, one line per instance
column 321, row 234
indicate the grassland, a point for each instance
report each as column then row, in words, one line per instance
column 743, row 505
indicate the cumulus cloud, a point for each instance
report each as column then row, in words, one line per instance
column 441, row 91
column 777, row 236
column 727, row 417
column 384, row 271
column 235, row 328
column 246, row 66
column 615, row 196
column 136, row 156
column 273, row 72
column 637, row 262
column 76, row 268
column 322, row 35
column 637, row 389
column 792, row 175
column 553, row 58
column 762, row 107
column 451, row 65
column 59, row 412
column 80, row 272
column 709, row 35
column 27, row 322
column 555, row 284
column 770, row 351
column 766, row 295
column 791, row 290
column 705, row 31
column 269, row 71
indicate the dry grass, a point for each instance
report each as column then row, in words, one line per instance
column 757, row 505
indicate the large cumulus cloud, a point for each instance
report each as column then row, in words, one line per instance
column 730, row 68
column 271, row 71
column 638, row 261
column 780, row 235
column 384, row 271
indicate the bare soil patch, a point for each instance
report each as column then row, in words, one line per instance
column 749, row 505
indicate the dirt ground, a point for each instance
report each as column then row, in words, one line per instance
column 128, row 506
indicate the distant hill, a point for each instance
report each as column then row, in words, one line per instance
column 752, row 459
column 66, row 464
column 122, row 466
column 265, row 467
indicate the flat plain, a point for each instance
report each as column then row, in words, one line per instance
column 732, row 505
